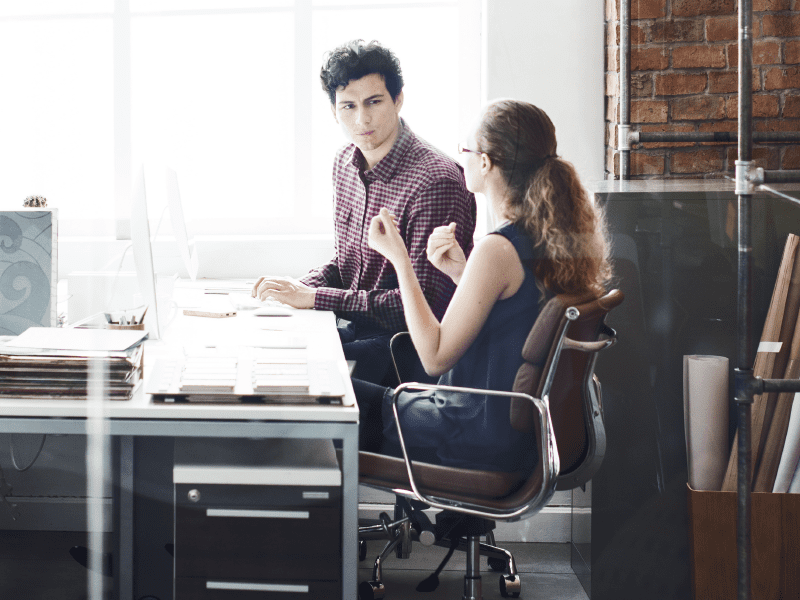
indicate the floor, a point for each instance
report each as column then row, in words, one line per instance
column 544, row 570
column 37, row 565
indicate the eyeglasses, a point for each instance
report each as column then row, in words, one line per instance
column 462, row 150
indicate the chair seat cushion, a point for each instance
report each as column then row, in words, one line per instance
column 467, row 485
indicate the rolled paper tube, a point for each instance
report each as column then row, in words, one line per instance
column 794, row 487
column 791, row 450
column 705, row 410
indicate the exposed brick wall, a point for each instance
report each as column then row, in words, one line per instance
column 683, row 61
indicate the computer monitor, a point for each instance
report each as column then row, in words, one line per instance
column 188, row 254
column 143, row 254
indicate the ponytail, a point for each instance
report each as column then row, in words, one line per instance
column 546, row 198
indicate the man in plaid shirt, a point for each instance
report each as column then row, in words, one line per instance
column 385, row 164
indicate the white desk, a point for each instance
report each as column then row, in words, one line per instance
column 141, row 417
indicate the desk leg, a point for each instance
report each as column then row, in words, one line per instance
column 350, row 513
column 123, row 520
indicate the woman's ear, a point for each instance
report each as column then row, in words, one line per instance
column 486, row 164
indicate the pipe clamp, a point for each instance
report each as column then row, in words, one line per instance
column 744, row 185
column 623, row 136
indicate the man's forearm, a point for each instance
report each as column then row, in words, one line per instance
column 384, row 307
column 326, row 275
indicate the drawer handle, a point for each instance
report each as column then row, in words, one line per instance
column 259, row 514
column 256, row 587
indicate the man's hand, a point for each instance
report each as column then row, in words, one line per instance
column 444, row 252
column 285, row 289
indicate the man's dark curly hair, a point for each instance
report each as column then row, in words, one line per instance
column 355, row 60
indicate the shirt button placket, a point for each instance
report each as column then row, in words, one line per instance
column 362, row 243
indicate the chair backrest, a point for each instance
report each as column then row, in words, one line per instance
column 560, row 353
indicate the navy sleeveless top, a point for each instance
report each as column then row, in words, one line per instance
column 473, row 430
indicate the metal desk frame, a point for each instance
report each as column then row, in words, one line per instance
column 124, row 430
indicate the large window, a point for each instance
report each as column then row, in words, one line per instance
column 225, row 92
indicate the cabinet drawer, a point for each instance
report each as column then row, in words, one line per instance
column 217, row 495
column 199, row 588
column 295, row 542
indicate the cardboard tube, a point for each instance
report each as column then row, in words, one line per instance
column 791, row 449
column 705, row 413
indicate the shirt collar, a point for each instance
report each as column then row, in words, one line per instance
column 386, row 166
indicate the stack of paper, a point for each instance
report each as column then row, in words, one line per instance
column 276, row 373
column 271, row 378
column 283, row 375
column 54, row 364
column 209, row 374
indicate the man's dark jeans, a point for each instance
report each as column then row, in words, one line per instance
column 369, row 347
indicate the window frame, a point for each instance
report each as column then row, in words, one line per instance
column 469, row 95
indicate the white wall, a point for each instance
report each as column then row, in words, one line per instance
column 551, row 53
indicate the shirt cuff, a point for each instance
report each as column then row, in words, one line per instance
column 328, row 299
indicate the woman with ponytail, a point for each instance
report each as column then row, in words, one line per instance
column 551, row 240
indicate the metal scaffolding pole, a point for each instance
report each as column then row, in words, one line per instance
column 744, row 345
column 641, row 137
column 623, row 142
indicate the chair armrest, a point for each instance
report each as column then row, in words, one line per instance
column 597, row 346
column 548, row 456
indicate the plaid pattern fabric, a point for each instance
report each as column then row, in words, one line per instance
column 424, row 189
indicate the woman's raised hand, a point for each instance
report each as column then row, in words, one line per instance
column 384, row 237
column 444, row 252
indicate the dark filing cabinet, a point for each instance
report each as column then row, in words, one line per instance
column 264, row 524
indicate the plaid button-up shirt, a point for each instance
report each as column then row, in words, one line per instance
column 423, row 188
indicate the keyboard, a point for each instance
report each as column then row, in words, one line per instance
column 247, row 302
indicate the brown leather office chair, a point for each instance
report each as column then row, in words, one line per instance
column 556, row 395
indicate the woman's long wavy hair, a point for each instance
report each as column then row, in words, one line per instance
column 546, row 198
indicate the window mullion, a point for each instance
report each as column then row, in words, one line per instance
column 302, row 108
column 122, row 118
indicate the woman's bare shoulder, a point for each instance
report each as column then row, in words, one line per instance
column 494, row 247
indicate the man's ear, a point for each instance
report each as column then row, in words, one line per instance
column 333, row 112
column 398, row 102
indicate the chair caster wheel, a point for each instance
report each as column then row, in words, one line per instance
column 497, row 564
column 510, row 586
column 362, row 550
column 371, row 590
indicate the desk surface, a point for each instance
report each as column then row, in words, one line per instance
column 317, row 327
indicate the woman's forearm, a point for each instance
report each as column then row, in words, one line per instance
column 422, row 323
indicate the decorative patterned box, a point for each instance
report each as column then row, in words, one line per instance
column 28, row 269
